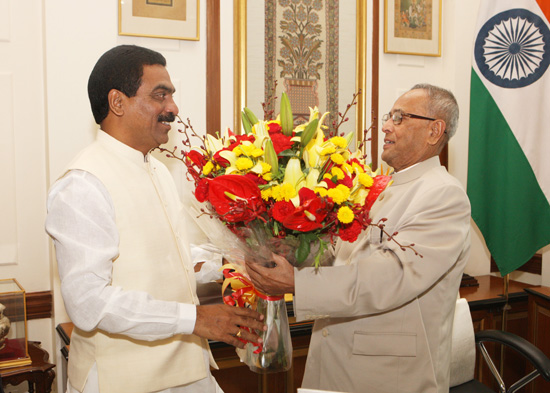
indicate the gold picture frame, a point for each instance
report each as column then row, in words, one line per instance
column 412, row 27
column 172, row 19
column 240, row 82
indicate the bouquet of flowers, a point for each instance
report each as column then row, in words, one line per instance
column 284, row 189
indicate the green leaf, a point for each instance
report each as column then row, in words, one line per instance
column 303, row 249
column 323, row 245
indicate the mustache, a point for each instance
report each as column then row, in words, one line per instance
column 169, row 118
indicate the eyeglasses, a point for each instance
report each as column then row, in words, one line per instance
column 397, row 117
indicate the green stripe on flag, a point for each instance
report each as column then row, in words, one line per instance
column 508, row 204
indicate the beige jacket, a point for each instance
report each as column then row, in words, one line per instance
column 385, row 314
column 153, row 258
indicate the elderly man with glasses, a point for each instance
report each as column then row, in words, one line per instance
column 384, row 312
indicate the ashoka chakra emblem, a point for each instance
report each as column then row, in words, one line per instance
column 512, row 48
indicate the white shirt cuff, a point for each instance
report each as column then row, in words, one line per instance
column 187, row 316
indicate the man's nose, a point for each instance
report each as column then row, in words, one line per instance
column 172, row 107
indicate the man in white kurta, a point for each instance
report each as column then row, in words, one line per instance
column 122, row 243
column 384, row 312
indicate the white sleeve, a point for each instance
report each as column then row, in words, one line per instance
column 81, row 222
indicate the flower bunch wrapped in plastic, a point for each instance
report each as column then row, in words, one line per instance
column 278, row 189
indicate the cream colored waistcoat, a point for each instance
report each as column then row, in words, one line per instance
column 151, row 259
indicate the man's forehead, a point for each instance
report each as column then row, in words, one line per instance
column 411, row 99
column 156, row 77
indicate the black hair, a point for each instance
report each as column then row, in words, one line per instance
column 119, row 68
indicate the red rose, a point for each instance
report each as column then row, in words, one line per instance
column 281, row 210
column 281, row 142
column 351, row 231
column 274, row 127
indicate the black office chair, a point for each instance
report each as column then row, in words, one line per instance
column 531, row 353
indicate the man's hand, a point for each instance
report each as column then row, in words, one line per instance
column 223, row 323
column 277, row 280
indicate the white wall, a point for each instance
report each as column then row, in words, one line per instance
column 23, row 244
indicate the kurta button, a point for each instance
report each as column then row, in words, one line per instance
column 325, row 332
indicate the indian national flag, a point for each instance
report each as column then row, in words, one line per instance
column 509, row 148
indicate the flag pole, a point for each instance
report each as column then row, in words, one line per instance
column 505, row 309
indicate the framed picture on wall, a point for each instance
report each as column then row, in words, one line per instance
column 412, row 27
column 174, row 19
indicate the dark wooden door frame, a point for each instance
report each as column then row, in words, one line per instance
column 213, row 78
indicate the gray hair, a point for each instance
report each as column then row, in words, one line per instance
column 442, row 104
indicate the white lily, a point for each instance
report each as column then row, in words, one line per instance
column 295, row 177
column 260, row 130
column 312, row 177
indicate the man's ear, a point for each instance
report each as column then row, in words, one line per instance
column 116, row 102
column 437, row 130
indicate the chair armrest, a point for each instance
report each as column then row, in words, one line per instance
column 535, row 356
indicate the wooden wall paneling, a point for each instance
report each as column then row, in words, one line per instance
column 213, row 79
column 539, row 328
column 39, row 305
column 533, row 265
column 375, row 82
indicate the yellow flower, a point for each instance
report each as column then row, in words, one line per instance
column 337, row 158
column 266, row 194
column 244, row 163
column 275, row 192
column 365, row 180
column 207, row 168
column 337, row 195
column 267, row 176
column 345, row 215
column 257, row 153
column 344, row 190
column 327, row 151
column 347, row 167
column 248, row 148
column 357, row 167
column 238, row 151
column 287, row 192
column 265, row 167
column 339, row 141
column 338, row 173
column 321, row 191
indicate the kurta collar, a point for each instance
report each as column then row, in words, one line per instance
column 416, row 171
column 121, row 149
